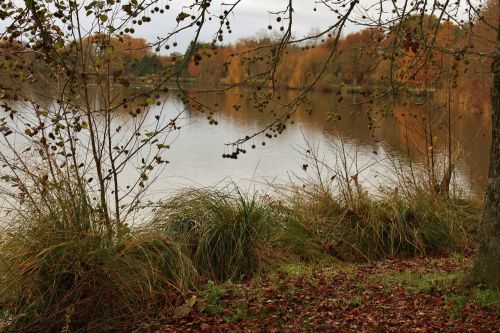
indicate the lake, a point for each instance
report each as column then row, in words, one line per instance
column 351, row 134
column 196, row 151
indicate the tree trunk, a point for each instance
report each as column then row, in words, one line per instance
column 487, row 265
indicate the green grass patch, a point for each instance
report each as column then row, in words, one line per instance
column 416, row 282
column 296, row 269
column 447, row 283
column 238, row 312
column 480, row 296
column 228, row 300
column 213, row 295
column 486, row 297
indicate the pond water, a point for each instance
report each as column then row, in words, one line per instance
column 373, row 139
column 196, row 152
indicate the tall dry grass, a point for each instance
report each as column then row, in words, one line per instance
column 60, row 272
column 231, row 235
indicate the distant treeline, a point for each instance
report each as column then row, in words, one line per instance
column 123, row 56
column 420, row 53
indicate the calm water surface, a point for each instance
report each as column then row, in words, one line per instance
column 196, row 150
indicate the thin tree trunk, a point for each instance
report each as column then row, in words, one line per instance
column 487, row 265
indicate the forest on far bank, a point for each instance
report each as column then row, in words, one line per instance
column 371, row 60
column 407, row 56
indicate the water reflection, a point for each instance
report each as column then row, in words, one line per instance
column 196, row 152
column 398, row 128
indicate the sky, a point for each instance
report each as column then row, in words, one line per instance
column 250, row 17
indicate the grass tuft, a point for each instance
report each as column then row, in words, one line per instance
column 366, row 228
column 60, row 271
column 229, row 235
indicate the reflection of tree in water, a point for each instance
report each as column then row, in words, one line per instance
column 405, row 130
column 406, row 126
column 423, row 133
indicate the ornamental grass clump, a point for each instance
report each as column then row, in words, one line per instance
column 367, row 227
column 62, row 269
column 230, row 235
column 401, row 218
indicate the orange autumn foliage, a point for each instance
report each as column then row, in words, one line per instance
column 419, row 53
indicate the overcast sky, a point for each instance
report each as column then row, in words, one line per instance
column 249, row 18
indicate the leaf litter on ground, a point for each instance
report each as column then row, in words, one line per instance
column 421, row 294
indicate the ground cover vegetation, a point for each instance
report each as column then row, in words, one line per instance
column 418, row 294
column 73, row 257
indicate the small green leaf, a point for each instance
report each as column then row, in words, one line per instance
column 58, row 44
column 163, row 146
column 181, row 16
